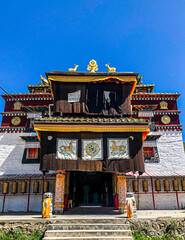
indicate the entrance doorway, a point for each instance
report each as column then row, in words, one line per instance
column 91, row 189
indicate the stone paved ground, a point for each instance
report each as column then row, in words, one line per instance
column 142, row 214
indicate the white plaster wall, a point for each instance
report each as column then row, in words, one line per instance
column 16, row 203
column 165, row 201
column 11, row 152
column 181, row 197
column 145, row 201
column 171, row 153
column 35, row 203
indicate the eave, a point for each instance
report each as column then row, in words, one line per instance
column 155, row 96
column 87, row 125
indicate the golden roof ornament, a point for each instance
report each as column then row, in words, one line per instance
column 44, row 80
column 110, row 69
column 163, row 105
column 92, row 66
column 140, row 77
column 141, row 84
column 73, row 69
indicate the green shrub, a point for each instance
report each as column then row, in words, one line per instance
column 141, row 236
column 18, row 235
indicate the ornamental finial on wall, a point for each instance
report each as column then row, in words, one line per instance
column 92, row 66
column 110, row 69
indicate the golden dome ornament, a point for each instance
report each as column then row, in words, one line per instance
column 165, row 119
column 92, row 66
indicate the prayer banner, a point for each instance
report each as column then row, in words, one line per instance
column 67, row 149
column 92, row 149
column 118, row 148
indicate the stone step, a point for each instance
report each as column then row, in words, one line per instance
column 91, row 238
column 87, row 233
column 90, row 220
column 89, row 226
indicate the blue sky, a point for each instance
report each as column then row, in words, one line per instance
column 145, row 36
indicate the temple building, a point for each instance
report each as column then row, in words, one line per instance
column 88, row 137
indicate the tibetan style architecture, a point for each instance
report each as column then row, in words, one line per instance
column 88, row 137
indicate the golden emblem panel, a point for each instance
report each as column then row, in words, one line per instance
column 92, row 149
column 165, row 119
column 118, row 148
column 17, row 106
column 67, row 149
column 16, row 121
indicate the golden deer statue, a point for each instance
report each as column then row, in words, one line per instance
column 73, row 69
column 110, row 69
column 114, row 147
column 67, row 148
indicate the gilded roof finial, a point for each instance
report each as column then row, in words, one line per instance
column 110, row 69
column 73, row 69
column 92, row 66
column 44, row 80
column 141, row 83
column 139, row 78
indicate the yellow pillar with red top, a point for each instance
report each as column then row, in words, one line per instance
column 121, row 190
column 59, row 192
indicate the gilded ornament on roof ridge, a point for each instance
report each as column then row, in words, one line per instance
column 110, row 69
column 92, row 66
column 73, row 69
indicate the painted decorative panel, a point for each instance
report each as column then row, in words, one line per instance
column 118, row 148
column 67, row 149
column 92, row 149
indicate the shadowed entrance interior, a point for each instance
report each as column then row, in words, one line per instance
column 91, row 188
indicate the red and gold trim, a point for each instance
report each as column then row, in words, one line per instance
column 91, row 128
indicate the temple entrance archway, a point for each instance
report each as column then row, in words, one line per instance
column 91, row 189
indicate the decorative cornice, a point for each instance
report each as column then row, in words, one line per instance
column 169, row 127
column 8, row 114
column 93, row 120
column 12, row 129
column 168, row 112
column 155, row 96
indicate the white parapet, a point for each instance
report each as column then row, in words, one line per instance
column 171, row 153
column 11, row 153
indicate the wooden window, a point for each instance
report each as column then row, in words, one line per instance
column 148, row 152
column 32, row 153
